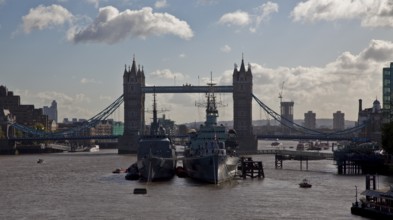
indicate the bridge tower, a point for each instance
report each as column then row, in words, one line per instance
column 134, row 108
column 242, row 108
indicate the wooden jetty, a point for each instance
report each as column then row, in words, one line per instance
column 358, row 159
column 250, row 168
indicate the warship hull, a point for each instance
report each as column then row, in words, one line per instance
column 156, row 158
column 212, row 169
column 156, row 168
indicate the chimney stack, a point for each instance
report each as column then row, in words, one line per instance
column 360, row 105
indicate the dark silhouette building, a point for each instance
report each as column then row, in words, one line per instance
column 286, row 116
column 338, row 121
column 387, row 89
column 24, row 114
column 310, row 120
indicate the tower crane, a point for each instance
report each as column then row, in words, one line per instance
column 281, row 92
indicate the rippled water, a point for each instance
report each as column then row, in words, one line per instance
column 82, row 186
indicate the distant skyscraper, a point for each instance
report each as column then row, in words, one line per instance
column 51, row 111
column 287, row 114
column 310, row 120
column 338, row 121
column 387, row 89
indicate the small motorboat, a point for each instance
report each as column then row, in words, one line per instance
column 119, row 170
column 95, row 148
column 305, row 184
column 181, row 172
column 275, row 143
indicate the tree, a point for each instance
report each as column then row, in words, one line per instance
column 387, row 137
column 2, row 135
column 39, row 127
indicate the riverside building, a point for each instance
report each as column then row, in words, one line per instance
column 24, row 114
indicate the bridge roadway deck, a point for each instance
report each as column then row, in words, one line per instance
column 294, row 155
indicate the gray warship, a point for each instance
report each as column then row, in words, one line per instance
column 210, row 156
column 156, row 155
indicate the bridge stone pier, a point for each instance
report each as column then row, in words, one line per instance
column 134, row 91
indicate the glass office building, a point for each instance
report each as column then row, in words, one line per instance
column 387, row 99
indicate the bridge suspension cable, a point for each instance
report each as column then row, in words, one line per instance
column 87, row 124
column 290, row 124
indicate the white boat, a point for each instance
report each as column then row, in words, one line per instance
column 95, row 148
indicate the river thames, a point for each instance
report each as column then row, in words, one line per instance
column 82, row 186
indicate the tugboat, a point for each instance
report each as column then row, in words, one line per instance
column 210, row 156
column 156, row 156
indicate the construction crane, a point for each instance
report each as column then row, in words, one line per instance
column 281, row 92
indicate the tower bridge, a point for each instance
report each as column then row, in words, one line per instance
column 134, row 90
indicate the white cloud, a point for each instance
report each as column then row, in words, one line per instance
column 372, row 13
column 161, row 4
column 265, row 11
column 89, row 81
column 43, row 17
column 68, row 106
column 49, row 96
column 226, row 49
column 182, row 55
column 82, row 98
column 378, row 51
column 106, row 98
column 167, row 74
column 333, row 86
column 207, row 2
column 112, row 26
column 239, row 18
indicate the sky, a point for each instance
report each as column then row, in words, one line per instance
column 328, row 54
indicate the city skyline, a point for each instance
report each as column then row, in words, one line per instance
column 329, row 53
